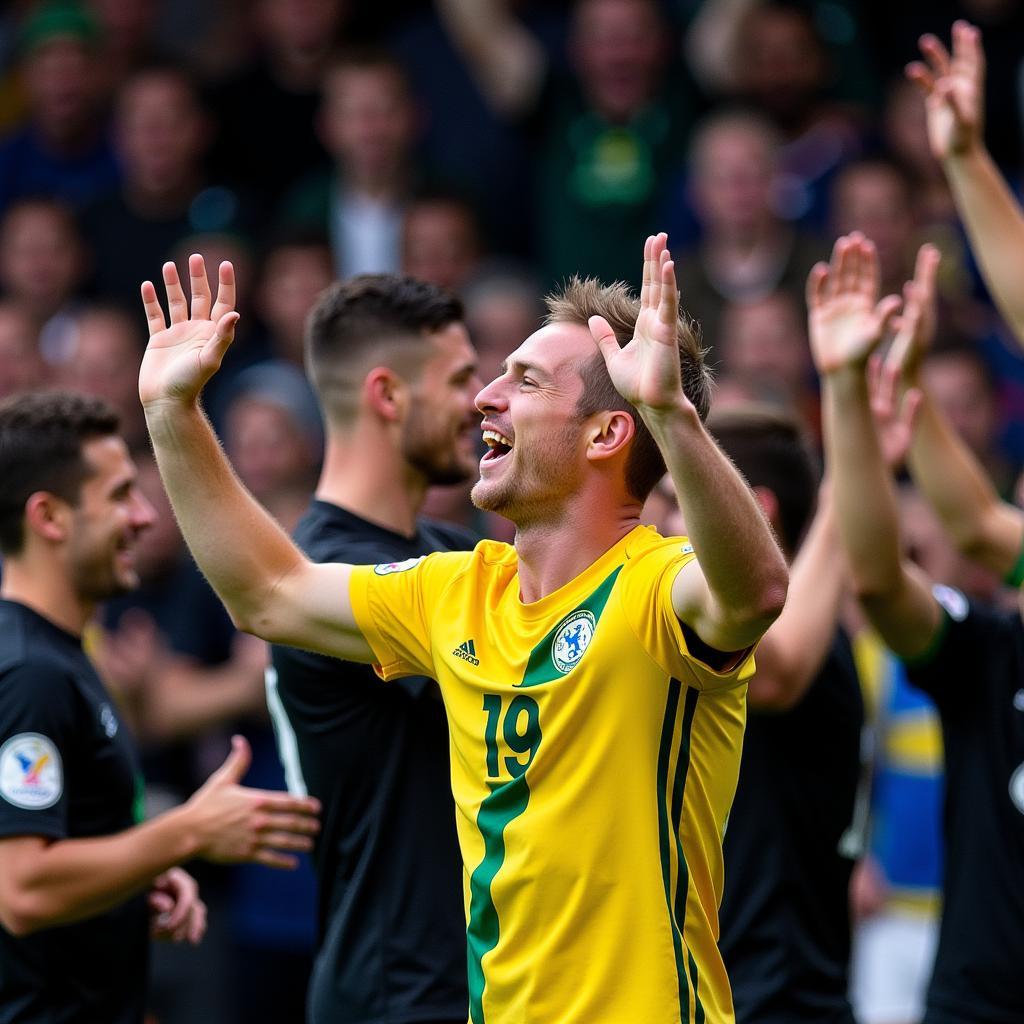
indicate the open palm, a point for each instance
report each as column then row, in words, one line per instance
column 846, row 319
column 953, row 88
column 182, row 357
column 646, row 371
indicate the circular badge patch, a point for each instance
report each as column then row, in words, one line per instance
column 1017, row 788
column 30, row 772
column 387, row 568
column 572, row 638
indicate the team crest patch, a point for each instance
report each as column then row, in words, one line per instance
column 387, row 568
column 572, row 638
column 1017, row 788
column 952, row 600
column 31, row 776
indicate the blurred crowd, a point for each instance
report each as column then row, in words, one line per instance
column 492, row 147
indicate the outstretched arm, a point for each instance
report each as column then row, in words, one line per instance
column 953, row 88
column 265, row 582
column 45, row 883
column 795, row 646
column 847, row 322
column 983, row 526
column 737, row 586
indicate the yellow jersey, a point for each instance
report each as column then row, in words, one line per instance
column 594, row 761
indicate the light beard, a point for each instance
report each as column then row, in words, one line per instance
column 435, row 458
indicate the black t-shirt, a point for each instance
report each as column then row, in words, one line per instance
column 976, row 678
column 392, row 922
column 67, row 771
column 785, row 923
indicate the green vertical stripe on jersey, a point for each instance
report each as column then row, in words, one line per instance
column 683, row 874
column 541, row 667
column 665, row 840
column 505, row 803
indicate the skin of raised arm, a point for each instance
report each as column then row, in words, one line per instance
column 847, row 321
column 792, row 651
column 953, row 87
column 46, row 883
column 504, row 57
column 983, row 526
column 268, row 586
column 739, row 586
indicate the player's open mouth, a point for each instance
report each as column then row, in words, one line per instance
column 498, row 446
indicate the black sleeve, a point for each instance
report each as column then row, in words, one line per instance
column 37, row 732
column 969, row 636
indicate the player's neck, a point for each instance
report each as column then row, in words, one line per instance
column 47, row 591
column 366, row 476
column 552, row 554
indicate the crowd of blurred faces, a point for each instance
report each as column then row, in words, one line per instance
column 310, row 139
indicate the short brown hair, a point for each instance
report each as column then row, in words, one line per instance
column 41, row 439
column 576, row 303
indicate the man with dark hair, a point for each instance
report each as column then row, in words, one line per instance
column 396, row 375
column 76, row 861
column 593, row 674
column 791, row 842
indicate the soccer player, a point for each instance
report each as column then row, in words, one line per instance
column 968, row 658
column 76, row 864
column 593, row 674
column 792, row 841
column 396, row 376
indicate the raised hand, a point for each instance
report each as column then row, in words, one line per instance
column 236, row 824
column 915, row 326
column 646, row 371
column 182, row 357
column 895, row 417
column 847, row 320
column 954, row 90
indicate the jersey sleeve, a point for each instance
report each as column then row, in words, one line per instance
column 647, row 598
column 394, row 606
column 967, row 634
column 36, row 736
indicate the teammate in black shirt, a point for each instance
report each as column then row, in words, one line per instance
column 969, row 659
column 785, row 922
column 75, row 863
column 396, row 375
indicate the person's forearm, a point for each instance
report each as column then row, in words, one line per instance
column 743, row 567
column 504, row 57
column 239, row 547
column 866, row 510
column 73, row 879
column 995, row 225
column 981, row 525
column 795, row 646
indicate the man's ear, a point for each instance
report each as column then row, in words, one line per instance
column 769, row 503
column 48, row 517
column 386, row 394
column 609, row 433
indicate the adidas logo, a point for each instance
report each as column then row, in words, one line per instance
column 467, row 652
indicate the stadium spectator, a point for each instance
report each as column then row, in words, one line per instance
column 161, row 134
column 21, row 366
column 604, row 136
column 129, row 40
column 42, row 259
column 368, row 124
column 943, row 637
column 746, row 251
column 559, row 456
column 276, row 95
column 76, row 860
column 764, row 342
column 99, row 354
column 62, row 150
column 296, row 267
column 441, row 241
column 793, row 835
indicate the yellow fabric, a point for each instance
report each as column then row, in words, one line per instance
column 570, row 772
